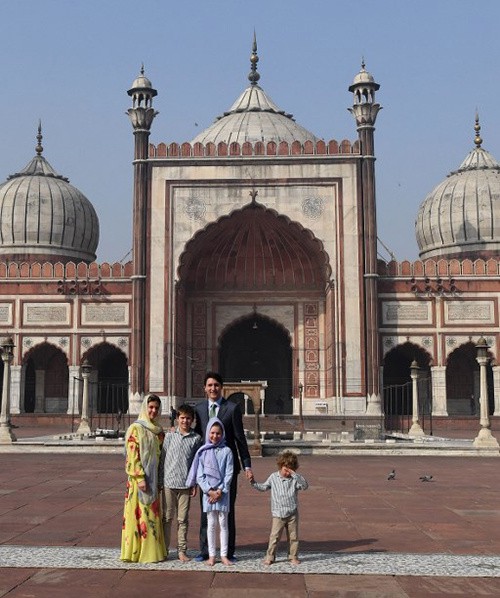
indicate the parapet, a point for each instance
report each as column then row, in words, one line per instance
column 211, row 150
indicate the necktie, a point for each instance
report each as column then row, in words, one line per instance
column 213, row 408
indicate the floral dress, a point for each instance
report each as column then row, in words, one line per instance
column 142, row 532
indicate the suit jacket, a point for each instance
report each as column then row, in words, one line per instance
column 232, row 419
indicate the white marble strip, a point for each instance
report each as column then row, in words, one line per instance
column 359, row 563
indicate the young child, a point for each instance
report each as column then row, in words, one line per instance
column 284, row 485
column 212, row 469
column 179, row 449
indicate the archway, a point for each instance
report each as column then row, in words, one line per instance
column 112, row 380
column 397, row 383
column 46, row 380
column 257, row 348
column 462, row 382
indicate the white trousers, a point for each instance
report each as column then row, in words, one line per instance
column 212, row 517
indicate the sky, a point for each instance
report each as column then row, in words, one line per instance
column 70, row 64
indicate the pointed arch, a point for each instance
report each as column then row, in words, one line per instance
column 111, row 378
column 254, row 248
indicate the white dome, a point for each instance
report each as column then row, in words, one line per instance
column 461, row 216
column 43, row 217
column 254, row 117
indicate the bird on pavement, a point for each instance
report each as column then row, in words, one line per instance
column 425, row 478
column 392, row 475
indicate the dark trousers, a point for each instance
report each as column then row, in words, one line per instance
column 231, row 522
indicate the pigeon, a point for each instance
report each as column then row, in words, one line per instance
column 392, row 475
column 425, row 478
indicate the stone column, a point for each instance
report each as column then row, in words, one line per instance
column 416, row 428
column 6, row 434
column 438, row 374
column 15, row 389
column 84, row 427
column 485, row 438
column 73, row 389
column 496, row 388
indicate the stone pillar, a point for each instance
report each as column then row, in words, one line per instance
column 485, row 438
column 15, row 389
column 416, row 428
column 438, row 375
column 7, row 436
column 496, row 388
column 84, row 427
column 73, row 389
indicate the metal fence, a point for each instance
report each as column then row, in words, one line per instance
column 108, row 405
column 398, row 406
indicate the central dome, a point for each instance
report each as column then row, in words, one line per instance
column 254, row 117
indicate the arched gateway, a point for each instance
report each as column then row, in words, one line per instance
column 256, row 348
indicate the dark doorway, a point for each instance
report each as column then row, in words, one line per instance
column 398, row 390
column 258, row 349
column 112, row 378
column 29, row 387
column 463, row 382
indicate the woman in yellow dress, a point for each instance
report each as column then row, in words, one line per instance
column 142, row 532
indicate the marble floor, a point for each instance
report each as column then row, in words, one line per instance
column 360, row 563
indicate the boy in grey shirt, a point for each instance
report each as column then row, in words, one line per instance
column 284, row 485
column 179, row 448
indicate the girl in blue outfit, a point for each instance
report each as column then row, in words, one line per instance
column 212, row 470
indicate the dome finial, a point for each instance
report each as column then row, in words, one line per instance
column 254, row 76
column 363, row 64
column 477, row 128
column 39, row 137
column 142, row 68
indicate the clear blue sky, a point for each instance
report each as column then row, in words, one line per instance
column 71, row 63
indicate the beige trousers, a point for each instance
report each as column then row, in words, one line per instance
column 176, row 502
column 291, row 525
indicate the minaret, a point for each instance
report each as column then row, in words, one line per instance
column 365, row 112
column 141, row 116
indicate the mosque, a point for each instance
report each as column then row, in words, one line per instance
column 254, row 254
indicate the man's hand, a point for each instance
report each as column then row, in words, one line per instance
column 142, row 485
column 193, row 491
column 249, row 475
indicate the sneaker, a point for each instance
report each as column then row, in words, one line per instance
column 233, row 559
column 200, row 558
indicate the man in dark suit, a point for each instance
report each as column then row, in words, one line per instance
column 230, row 415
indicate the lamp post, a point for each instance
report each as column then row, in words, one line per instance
column 6, row 434
column 84, row 427
column 416, row 428
column 484, row 439
column 301, row 413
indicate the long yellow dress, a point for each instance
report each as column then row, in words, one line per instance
column 142, row 531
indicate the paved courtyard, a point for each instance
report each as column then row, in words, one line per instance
column 361, row 535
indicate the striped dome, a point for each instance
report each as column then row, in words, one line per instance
column 43, row 217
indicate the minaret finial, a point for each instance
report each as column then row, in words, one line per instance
column 39, row 137
column 142, row 68
column 254, row 76
column 363, row 65
column 477, row 128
